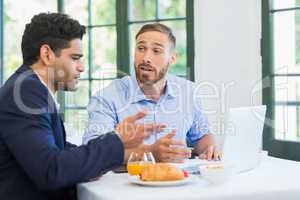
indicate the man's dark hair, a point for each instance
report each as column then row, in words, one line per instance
column 159, row 28
column 53, row 29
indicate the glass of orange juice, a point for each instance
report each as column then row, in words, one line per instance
column 134, row 164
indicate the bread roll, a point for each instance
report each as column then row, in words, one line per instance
column 161, row 172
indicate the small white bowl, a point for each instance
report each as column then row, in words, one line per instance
column 217, row 173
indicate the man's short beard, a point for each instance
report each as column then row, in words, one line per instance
column 65, row 86
column 161, row 75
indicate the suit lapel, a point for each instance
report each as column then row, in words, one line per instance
column 57, row 124
column 58, row 130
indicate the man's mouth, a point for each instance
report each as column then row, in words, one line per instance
column 77, row 77
column 145, row 68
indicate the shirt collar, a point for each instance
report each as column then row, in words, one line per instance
column 51, row 93
column 138, row 95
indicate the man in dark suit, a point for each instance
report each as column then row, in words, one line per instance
column 36, row 162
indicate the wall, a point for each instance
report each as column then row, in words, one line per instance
column 227, row 55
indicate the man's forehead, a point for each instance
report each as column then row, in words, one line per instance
column 153, row 43
column 153, row 34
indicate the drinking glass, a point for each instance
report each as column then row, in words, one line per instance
column 148, row 158
column 134, row 164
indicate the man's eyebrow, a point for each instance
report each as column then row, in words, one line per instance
column 141, row 42
column 158, row 44
column 155, row 43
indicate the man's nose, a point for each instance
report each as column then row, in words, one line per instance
column 147, row 57
column 80, row 66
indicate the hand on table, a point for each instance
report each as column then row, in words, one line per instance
column 211, row 153
column 165, row 150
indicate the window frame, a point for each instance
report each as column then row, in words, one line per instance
column 279, row 148
column 1, row 43
column 122, row 33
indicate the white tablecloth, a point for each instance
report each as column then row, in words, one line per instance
column 273, row 179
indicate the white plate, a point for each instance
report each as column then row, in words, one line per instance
column 136, row 180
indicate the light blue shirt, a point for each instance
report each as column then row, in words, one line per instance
column 179, row 108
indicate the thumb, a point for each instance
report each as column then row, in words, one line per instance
column 171, row 134
column 137, row 116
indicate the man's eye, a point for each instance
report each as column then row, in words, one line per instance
column 141, row 48
column 157, row 51
column 76, row 58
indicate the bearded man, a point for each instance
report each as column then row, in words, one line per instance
column 168, row 99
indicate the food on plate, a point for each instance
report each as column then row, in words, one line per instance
column 161, row 172
column 185, row 173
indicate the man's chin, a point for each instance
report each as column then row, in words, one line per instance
column 68, row 87
column 145, row 79
column 71, row 88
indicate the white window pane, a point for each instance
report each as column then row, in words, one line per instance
column 287, row 124
column 142, row 10
column 284, row 42
column 103, row 12
column 172, row 8
column 287, row 88
column 77, row 10
column 280, row 4
column 104, row 52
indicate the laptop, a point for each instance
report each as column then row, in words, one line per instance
column 243, row 137
column 242, row 141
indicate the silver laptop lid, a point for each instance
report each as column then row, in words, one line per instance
column 243, row 137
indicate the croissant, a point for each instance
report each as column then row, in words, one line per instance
column 161, row 172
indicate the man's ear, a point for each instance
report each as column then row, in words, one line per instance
column 173, row 58
column 47, row 56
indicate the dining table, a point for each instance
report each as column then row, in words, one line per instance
column 273, row 179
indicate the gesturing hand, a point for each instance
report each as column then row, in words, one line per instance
column 132, row 133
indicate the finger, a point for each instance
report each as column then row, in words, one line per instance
column 210, row 152
column 144, row 130
column 175, row 157
column 178, row 150
column 179, row 155
column 203, row 156
column 164, row 157
column 159, row 127
column 153, row 128
column 220, row 155
column 216, row 155
column 170, row 135
column 174, row 142
column 166, row 139
column 137, row 116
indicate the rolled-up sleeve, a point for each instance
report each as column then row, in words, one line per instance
column 200, row 125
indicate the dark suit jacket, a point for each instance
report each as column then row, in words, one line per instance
column 36, row 162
